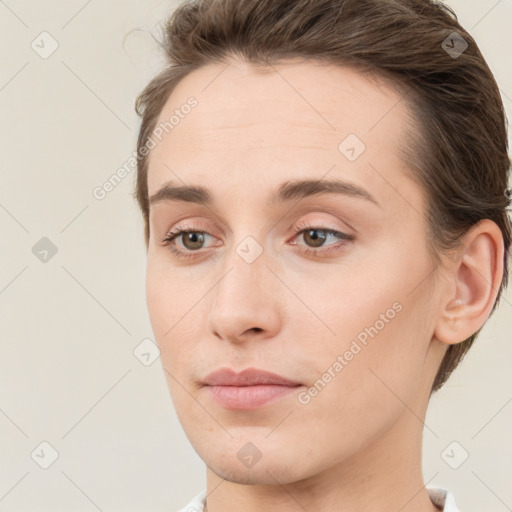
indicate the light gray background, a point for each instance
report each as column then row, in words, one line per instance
column 68, row 374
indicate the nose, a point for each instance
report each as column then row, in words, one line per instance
column 245, row 302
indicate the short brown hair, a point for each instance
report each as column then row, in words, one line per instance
column 461, row 159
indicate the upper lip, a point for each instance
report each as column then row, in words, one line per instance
column 247, row 377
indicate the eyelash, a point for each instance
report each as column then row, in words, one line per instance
column 168, row 240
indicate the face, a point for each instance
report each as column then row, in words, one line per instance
column 329, row 288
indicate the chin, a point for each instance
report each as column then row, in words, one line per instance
column 275, row 466
column 261, row 475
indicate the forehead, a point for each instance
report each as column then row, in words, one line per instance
column 266, row 124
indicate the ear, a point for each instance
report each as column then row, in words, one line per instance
column 474, row 278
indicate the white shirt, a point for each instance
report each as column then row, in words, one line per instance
column 439, row 497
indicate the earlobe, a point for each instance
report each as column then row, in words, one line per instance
column 474, row 279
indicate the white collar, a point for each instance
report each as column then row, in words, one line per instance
column 439, row 497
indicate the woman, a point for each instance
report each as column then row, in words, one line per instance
column 324, row 190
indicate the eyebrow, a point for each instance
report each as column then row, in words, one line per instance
column 287, row 191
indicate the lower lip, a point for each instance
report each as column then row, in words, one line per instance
column 249, row 397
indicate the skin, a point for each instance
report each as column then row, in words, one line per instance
column 357, row 444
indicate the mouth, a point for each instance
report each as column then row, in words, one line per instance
column 249, row 389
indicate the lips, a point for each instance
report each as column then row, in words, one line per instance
column 248, row 377
column 249, row 389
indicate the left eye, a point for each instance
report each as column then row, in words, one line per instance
column 315, row 237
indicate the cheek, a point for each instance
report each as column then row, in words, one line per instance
column 378, row 328
column 173, row 310
column 368, row 394
column 165, row 311
column 166, row 297
column 157, row 300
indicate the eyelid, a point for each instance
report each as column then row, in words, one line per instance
column 326, row 205
column 325, row 209
column 189, row 225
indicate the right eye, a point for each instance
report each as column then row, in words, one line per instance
column 191, row 241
